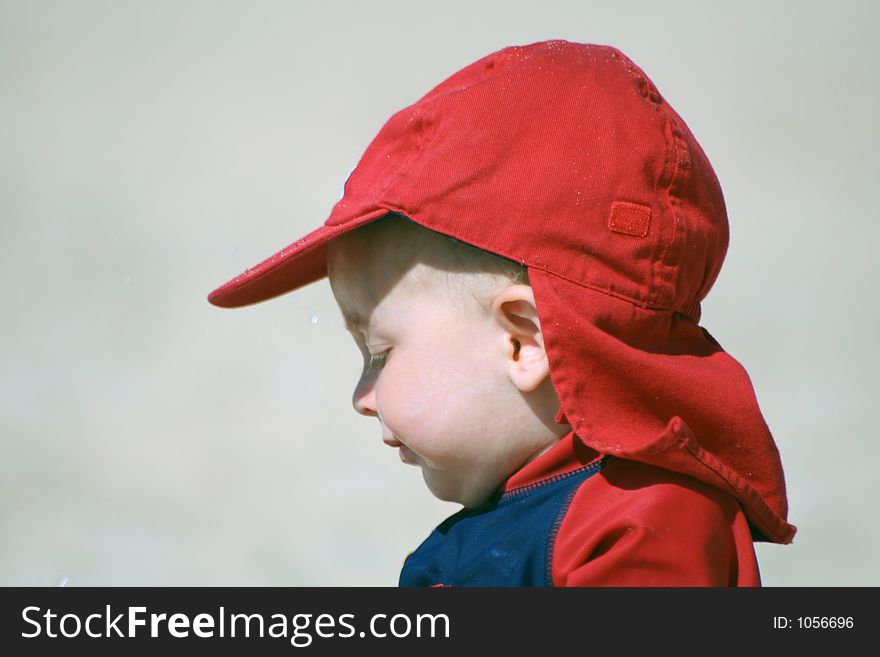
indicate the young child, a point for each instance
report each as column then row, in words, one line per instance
column 520, row 257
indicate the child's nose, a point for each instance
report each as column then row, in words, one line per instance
column 364, row 397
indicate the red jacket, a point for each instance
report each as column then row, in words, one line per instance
column 634, row 524
column 573, row 517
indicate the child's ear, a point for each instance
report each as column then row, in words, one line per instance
column 515, row 312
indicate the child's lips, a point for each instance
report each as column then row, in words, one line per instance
column 405, row 453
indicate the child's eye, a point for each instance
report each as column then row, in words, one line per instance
column 377, row 360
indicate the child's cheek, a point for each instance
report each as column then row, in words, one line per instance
column 405, row 396
column 416, row 397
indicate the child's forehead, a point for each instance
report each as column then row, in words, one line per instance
column 369, row 286
column 368, row 303
column 371, row 283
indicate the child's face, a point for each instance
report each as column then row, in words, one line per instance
column 435, row 374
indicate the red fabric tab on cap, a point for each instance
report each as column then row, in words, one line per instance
column 629, row 218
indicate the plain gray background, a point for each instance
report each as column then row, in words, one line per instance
column 149, row 151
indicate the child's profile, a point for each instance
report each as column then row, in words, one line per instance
column 464, row 390
column 520, row 257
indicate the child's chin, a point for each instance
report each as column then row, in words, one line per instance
column 440, row 489
column 449, row 491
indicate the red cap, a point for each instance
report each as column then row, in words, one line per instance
column 565, row 157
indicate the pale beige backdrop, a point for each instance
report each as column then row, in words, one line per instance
column 151, row 150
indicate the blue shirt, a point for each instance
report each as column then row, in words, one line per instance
column 507, row 541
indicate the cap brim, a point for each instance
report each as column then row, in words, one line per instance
column 298, row 264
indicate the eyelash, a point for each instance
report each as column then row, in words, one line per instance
column 376, row 361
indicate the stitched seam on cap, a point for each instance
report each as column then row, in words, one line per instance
column 676, row 252
column 658, row 266
column 425, row 138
